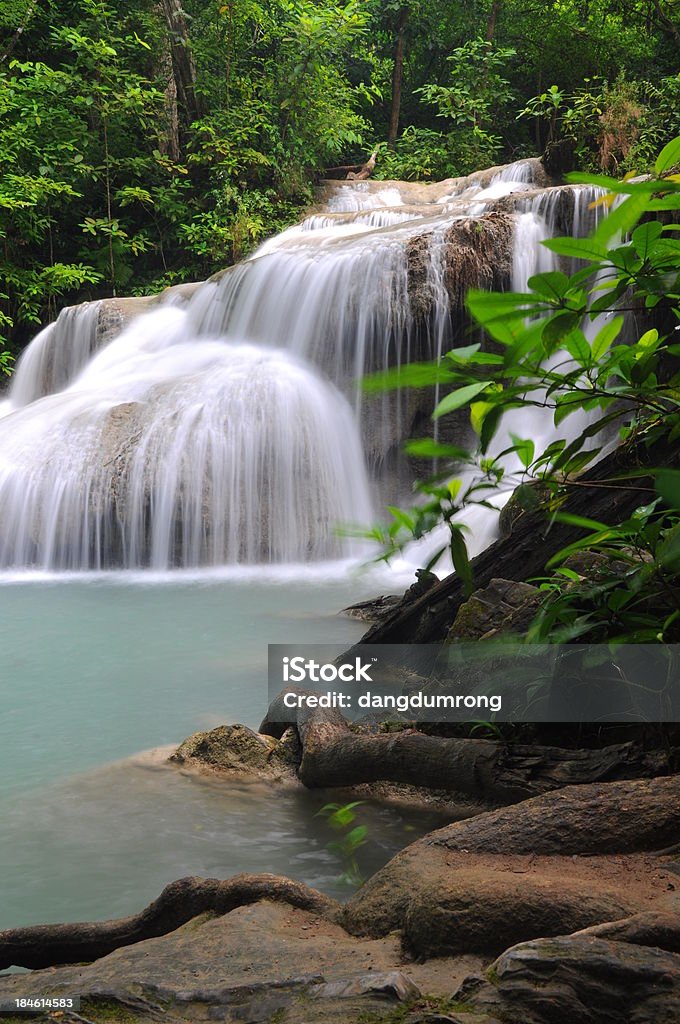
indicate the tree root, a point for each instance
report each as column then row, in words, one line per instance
column 334, row 756
column 48, row 945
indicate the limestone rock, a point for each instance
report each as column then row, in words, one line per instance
column 227, row 748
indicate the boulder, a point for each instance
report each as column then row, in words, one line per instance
column 237, row 749
column 579, row 979
column 547, row 842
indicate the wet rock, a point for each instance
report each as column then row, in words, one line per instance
column 116, row 314
column 374, row 610
column 542, row 841
column 379, row 608
column 392, row 984
column 477, row 253
column 525, row 498
column 257, row 964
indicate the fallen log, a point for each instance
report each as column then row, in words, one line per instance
column 48, row 945
column 597, row 494
column 366, row 170
column 502, row 773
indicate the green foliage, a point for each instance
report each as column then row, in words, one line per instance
column 559, row 346
column 472, row 102
column 111, row 183
column 107, row 186
column 341, row 818
column 616, row 126
column 632, row 593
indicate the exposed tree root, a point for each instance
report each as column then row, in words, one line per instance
column 333, row 755
column 49, row 945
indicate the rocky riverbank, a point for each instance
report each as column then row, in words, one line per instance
column 561, row 908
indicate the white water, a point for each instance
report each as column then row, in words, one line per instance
column 228, row 428
column 56, row 355
column 173, row 450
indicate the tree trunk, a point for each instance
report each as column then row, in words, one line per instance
column 334, row 756
column 533, row 541
column 397, row 77
column 183, row 65
column 493, row 18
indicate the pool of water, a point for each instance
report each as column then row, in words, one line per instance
column 94, row 670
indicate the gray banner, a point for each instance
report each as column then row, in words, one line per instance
column 488, row 682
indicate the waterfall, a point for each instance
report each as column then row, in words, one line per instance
column 227, row 424
column 56, row 355
column 174, row 450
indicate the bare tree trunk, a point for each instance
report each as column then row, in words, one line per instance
column 397, row 77
column 19, row 32
column 183, row 66
column 169, row 139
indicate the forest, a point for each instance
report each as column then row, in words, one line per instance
column 151, row 144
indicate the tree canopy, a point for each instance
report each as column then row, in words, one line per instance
column 149, row 144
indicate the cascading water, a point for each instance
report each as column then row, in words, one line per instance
column 227, row 425
column 56, row 355
column 173, row 450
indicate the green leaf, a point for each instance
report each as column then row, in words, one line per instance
column 668, row 552
column 401, row 517
column 429, row 449
column 553, row 284
column 578, row 348
column 565, row 406
column 578, row 461
column 668, row 157
column 411, row 375
column 648, row 339
column 524, row 448
column 622, row 218
column 558, row 326
column 486, row 306
column 644, row 236
column 460, row 397
column 668, row 487
column 489, row 426
column 576, row 248
column 461, row 560
column 463, row 354
column 606, row 336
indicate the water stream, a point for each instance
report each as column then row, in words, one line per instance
column 170, row 498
